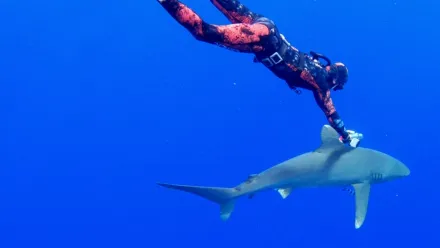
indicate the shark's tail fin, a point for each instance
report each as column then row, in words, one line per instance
column 225, row 197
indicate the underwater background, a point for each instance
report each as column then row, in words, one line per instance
column 99, row 100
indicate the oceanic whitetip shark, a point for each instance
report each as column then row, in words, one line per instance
column 332, row 164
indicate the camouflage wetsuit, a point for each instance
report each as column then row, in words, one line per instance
column 254, row 33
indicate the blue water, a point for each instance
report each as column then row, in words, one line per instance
column 101, row 99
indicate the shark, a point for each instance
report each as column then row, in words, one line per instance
column 332, row 164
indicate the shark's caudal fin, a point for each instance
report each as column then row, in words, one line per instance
column 225, row 197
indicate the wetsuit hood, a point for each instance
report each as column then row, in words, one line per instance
column 338, row 74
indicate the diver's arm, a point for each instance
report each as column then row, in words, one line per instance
column 325, row 102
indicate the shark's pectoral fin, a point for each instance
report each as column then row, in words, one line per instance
column 362, row 195
column 284, row 192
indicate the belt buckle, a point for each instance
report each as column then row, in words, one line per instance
column 276, row 58
column 272, row 60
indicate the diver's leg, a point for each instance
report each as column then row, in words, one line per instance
column 242, row 37
column 235, row 11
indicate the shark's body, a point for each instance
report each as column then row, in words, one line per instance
column 332, row 164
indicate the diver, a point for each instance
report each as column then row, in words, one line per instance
column 255, row 34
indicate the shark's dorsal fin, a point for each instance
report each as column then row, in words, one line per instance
column 329, row 139
column 362, row 195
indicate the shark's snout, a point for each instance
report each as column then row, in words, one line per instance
column 402, row 170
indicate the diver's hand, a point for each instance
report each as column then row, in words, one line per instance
column 353, row 138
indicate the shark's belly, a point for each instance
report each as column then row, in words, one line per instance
column 325, row 178
column 337, row 178
column 322, row 180
column 311, row 170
